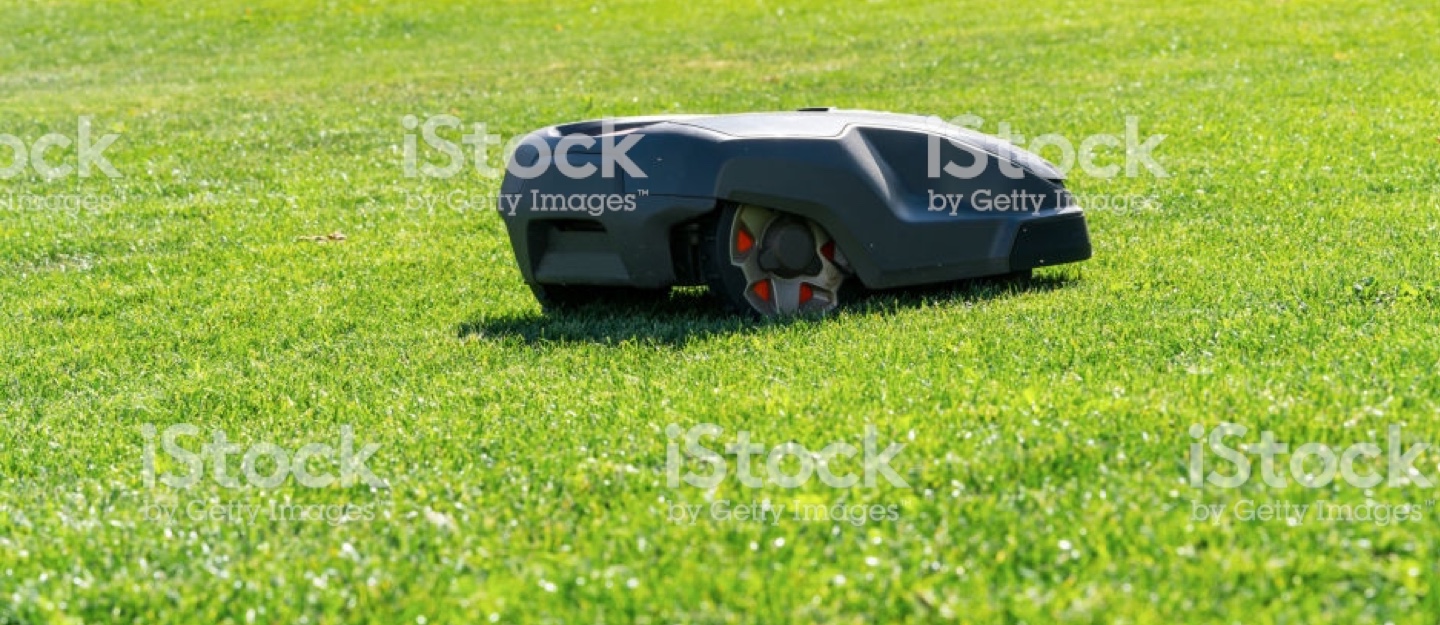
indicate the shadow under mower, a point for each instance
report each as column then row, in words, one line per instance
column 777, row 212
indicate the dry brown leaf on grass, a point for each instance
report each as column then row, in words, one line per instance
column 323, row 238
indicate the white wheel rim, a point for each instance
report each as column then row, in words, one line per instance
column 773, row 295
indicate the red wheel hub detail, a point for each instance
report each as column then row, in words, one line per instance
column 743, row 241
column 807, row 293
column 828, row 251
column 762, row 289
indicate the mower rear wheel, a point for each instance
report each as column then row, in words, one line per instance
column 768, row 263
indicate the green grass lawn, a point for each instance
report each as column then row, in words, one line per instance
column 1285, row 276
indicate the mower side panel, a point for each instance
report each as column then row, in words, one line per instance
column 621, row 239
column 869, row 187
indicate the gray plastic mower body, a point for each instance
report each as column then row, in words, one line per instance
column 909, row 200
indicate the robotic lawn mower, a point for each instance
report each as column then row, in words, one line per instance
column 776, row 212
